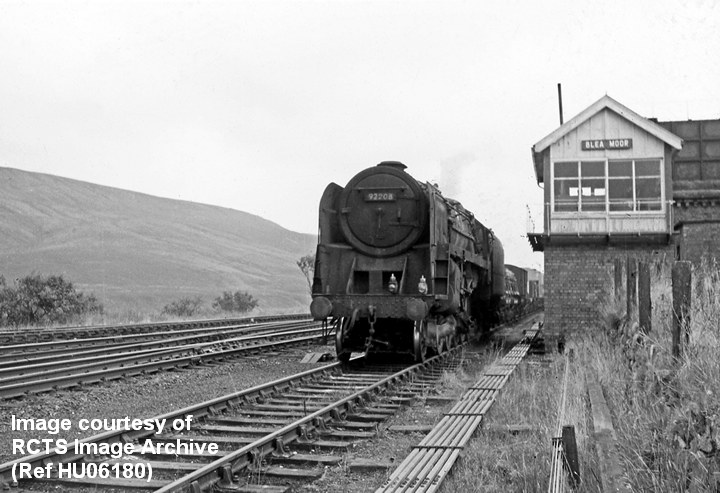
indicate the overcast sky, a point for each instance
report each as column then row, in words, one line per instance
column 257, row 106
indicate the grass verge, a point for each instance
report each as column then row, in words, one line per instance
column 666, row 412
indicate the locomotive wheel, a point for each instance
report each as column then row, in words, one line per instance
column 419, row 345
column 342, row 354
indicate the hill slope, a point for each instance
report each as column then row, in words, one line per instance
column 137, row 252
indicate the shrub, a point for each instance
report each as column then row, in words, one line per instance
column 38, row 300
column 235, row 302
column 183, row 307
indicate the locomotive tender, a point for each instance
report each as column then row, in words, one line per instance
column 402, row 269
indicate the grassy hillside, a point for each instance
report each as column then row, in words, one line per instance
column 137, row 252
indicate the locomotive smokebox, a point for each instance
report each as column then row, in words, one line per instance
column 383, row 210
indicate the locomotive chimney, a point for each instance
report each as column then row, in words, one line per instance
column 393, row 164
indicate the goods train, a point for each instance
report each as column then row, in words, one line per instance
column 523, row 293
column 402, row 269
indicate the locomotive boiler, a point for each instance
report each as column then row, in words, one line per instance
column 402, row 269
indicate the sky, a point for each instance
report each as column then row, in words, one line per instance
column 257, row 106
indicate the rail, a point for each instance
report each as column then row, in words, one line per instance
column 305, row 422
column 39, row 353
column 11, row 335
column 431, row 460
column 164, row 359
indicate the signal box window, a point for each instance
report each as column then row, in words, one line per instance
column 592, row 183
column 620, row 185
column 567, row 187
column 616, row 185
column 648, row 185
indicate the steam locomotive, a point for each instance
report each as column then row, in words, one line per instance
column 402, row 269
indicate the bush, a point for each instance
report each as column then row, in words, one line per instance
column 183, row 307
column 240, row 302
column 36, row 300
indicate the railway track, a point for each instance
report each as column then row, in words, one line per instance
column 43, row 352
column 28, row 335
column 279, row 436
column 431, row 460
column 43, row 373
column 288, row 429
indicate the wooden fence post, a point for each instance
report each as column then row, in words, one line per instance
column 618, row 278
column 681, row 291
column 644, row 301
column 571, row 455
column 631, row 285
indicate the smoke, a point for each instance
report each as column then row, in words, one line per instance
column 494, row 191
column 455, row 173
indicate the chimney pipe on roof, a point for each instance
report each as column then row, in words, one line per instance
column 560, row 102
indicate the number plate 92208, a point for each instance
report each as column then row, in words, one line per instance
column 380, row 197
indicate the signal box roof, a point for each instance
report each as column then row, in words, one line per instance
column 601, row 104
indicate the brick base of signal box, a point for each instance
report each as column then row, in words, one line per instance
column 579, row 280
